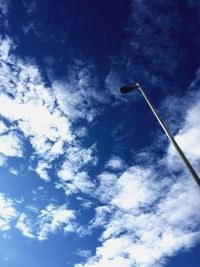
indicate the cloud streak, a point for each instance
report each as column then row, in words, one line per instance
column 44, row 116
column 8, row 212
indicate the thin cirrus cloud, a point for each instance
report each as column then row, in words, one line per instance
column 115, row 163
column 50, row 220
column 8, row 212
column 54, row 218
column 4, row 7
column 43, row 116
column 11, row 145
column 23, row 224
column 40, row 224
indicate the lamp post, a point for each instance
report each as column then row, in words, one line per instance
column 127, row 89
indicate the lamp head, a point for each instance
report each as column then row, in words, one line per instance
column 127, row 89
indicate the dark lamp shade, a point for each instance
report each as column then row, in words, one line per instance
column 127, row 89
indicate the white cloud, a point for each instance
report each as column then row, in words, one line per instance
column 113, row 83
column 74, row 179
column 3, row 127
column 5, row 46
column 56, row 149
column 48, row 126
column 44, row 115
column 145, row 236
column 83, row 253
column 188, row 136
column 133, row 189
column 7, row 212
column 107, row 182
column 41, row 170
column 112, row 262
column 82, row 131
column 85, row 204
column 81, row 102
column 2, row 160
column 13, row 171
column 73, row 182
column 102, row 217
column 39, row 224
column 54, row 218
column 24, row 225
column 116, row 163
column 79, row 156
column 11, row 145
column 136, row 188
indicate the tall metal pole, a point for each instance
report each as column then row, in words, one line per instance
column 171, row 138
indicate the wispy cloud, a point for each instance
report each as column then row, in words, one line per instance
column 39, row 224
column 14, row 171
column 81, row 77
column 30, row 6
column 115, row 163
column 54, row 218
column 24, row 225
column 8, row 212
column 11, row 145
column 83, row 253
column 4, row 7
column 42, row 170
column 3, row 127
column 73, row 177
column 44, row 116
column 2, row 160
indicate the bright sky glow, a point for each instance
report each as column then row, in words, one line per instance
column 88, row 178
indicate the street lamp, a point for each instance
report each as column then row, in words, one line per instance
column 127, row 89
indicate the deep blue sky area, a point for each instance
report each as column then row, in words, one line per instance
column 71, row 29
column 87, row 176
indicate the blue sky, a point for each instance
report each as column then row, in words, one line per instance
column 88, row 178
